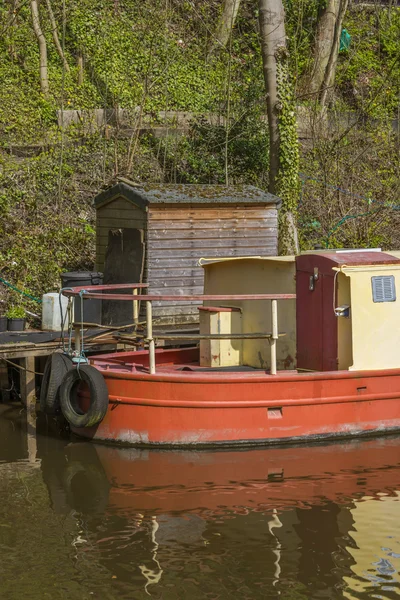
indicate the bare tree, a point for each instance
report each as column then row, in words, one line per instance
column 55, row 36
column 225, row 25
column 44, row 78
column 323, row 44
column 326, row 48
column 330, row 71
column 283, row 141
column 12, row 23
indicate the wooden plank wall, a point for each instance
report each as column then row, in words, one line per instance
column 115, row 214
column 178, row 235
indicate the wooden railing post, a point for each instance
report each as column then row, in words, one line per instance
column 78, row 341
column 135, row 308
column 150, row 339
column 274, row 319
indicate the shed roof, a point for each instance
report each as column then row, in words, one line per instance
column 182, row 193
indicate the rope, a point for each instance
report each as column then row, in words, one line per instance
column 19, row 366
column 12, row 287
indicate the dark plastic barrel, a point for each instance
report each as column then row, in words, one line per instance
column 91, row 308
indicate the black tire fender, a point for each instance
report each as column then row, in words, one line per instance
column 57, row 365
column 98, row 396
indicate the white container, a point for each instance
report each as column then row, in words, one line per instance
column 52, row 314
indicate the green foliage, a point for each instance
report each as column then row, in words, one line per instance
column 289, row 155
column 154, row 54
column 301, row 20
column 15, row 312
column 287, row 180
column 200, row 157
column 346, row 202
column 47, row 214
column 368, row 76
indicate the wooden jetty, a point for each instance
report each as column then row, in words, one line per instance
column 27, row 354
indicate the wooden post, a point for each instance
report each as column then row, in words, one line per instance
column 150, row 339
column 28, row 392
column 70, row 313
column 135, row 308
column 77, row 331
column 4, row 382
column 274, row 319
column 31, row 436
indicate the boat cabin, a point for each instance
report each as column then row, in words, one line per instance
column 345, row 316
column 248, row 275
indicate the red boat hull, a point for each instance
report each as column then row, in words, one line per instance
column 178, row 407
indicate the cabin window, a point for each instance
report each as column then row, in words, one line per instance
column 383, row 289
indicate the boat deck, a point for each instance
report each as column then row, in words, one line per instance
column 183, row 361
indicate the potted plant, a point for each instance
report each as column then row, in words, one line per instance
column 3, row 323
column 16, row 318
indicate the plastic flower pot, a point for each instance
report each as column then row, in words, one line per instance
column 16, row 324
column 3, row 324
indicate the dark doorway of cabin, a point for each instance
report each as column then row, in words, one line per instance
column 123, row 264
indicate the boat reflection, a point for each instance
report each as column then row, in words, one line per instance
column 211, row 482
column 303, row 514
column 306, row 522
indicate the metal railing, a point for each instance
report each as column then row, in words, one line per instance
column 95, row 292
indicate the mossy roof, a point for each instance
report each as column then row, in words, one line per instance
column 182, row 193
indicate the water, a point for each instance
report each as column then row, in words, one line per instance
column 83, row 521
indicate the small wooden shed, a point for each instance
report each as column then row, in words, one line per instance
column 157, row 233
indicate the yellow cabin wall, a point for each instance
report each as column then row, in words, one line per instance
column 375, row 331
column 259, row 276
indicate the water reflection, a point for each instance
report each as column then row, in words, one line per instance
column 79, row 520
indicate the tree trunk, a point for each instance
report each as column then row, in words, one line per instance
column 326, row 49
column 44, row 79
column 13, row 13
column 55, row 36
column 225, row 25
column 330, row 71
column 283, row 141
column 323, row 44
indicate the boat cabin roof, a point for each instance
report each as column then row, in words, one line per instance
column 204, row 262
column 353, row 258
column 330, row 258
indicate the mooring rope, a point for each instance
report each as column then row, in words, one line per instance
column 12, row 287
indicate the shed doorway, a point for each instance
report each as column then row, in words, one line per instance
column 124, row 263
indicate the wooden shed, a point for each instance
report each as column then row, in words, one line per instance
column 157, row 233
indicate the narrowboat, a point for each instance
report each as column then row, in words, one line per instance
column 289, row 349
